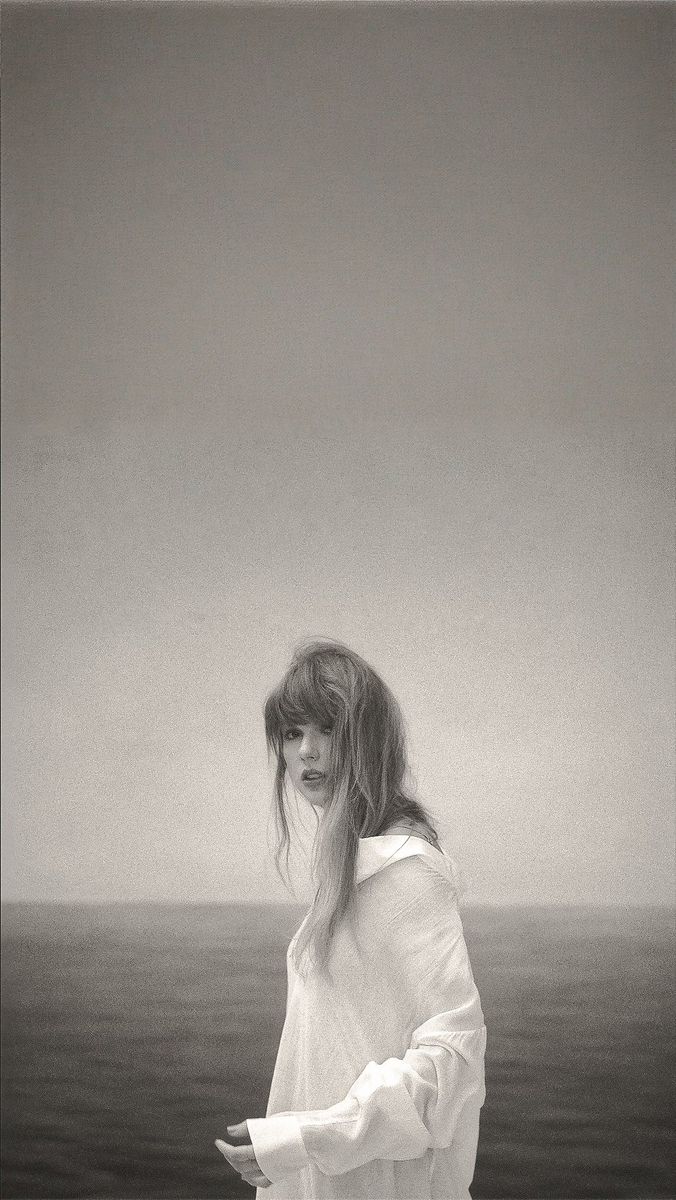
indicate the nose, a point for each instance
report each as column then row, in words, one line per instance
column 309, row 747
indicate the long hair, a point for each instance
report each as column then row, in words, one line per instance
column 368, row 777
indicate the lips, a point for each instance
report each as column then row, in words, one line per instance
column 309, row 775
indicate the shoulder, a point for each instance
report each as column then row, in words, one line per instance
column 415, row 881
column 408, row 907
column 406, row 870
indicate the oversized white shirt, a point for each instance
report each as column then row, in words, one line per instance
column 379, row 1079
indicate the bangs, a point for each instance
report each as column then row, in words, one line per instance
column 301, row 697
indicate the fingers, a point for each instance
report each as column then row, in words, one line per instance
column 257, row 1180
column 241, row 1157
column 241, row 1130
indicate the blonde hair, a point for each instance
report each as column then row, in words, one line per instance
column 368, row 776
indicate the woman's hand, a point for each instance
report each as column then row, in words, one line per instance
column 243, row 1157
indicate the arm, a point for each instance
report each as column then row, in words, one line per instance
column 399, row 1108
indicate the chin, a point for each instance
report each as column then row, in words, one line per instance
column 318, row 799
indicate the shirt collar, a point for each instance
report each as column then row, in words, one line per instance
column 375, row 852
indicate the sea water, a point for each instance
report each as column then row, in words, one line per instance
column 133, row 1034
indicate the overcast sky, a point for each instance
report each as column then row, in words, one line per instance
column 347, row 322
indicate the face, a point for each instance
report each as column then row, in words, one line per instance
column 306, row 754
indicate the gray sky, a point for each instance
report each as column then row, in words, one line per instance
column 350, row 323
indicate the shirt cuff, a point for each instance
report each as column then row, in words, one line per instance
column 278, row 1145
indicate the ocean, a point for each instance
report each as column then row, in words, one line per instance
column 133, row 1034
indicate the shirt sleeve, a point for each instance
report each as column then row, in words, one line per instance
column 399, row 1108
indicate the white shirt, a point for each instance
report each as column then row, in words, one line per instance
column 379, row 1078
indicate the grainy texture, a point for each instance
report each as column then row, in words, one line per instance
column 134, row 1033
column 379, row 1079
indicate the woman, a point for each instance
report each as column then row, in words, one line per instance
column 379, row 1079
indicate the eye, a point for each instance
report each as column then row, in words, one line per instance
column 289, row 734
column 327, row 729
